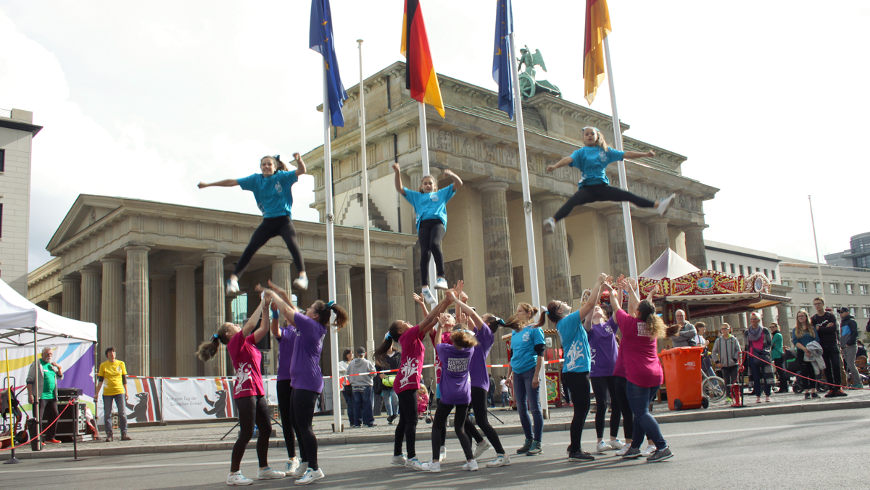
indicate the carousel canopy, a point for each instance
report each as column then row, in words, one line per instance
column 669, row 264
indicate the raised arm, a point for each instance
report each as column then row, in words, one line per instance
column 274, row 327
column 638, row 154
column 300, row 165
column 457, row 182
column 476, row 320
column 594, row 297
column 419, row 300
column 220, row 183
column 561, row 163
column 252, row 321
column 398, row 179
column 432, row 318
column 287, row 309
column 263, row 328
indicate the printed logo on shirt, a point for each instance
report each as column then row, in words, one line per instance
column 526, row 336
column 574, row 355
column 278, row 187
column 602, row 156
column 592, row 355
column 457, row 364
column 643, row 329
column 243, row 375
column 433, row 197
column 408, row 369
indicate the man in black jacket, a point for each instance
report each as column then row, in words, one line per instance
column 849, row 343
column 829, row 336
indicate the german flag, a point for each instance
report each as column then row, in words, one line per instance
column 597, row 28
column 420, row 77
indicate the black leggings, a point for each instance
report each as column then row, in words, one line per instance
column 271, row 227
column 621, row 399
column 578, row 385
column 430, row 234
column 302, row 402
column 285, row 407
column 439, row 425
column 602, row 192
column 478, row 404
column 251, row 409
column 604, row 388
column 831, row 356
column 406, row 429
column 48, row 412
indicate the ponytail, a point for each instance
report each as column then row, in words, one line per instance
column 493, row 322
column 514, row 323
column 646, row 312
column 323, row 310
column 209, row 348
column 391, row 336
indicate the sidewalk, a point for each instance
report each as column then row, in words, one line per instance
column 206, row 436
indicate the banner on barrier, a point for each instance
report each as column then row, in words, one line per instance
column 75, row 359
column 197, row 399
column 143, row 400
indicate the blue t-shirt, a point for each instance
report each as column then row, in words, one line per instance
column 575, row 344
column 592, row 161
column 523, row 342
column 431, row 205
column 272, row 193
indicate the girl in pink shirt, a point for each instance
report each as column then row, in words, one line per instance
column 248, row 389
column 638, row 363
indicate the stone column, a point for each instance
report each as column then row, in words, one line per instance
column 734, row 321
column 696, row 253
column 616, row 243
column 213, row 307
column 396, row 295
column 90, row 295
column 55, row 305
column 112, row 307
column 137, row 328
column 70, row 297
column 497, row 263
column 186, row 336
column 162, row 341
column 658, row 237
column 343, row 298
column 281, row 276
column 767, row 315
column 557, row 267
column 784, row 325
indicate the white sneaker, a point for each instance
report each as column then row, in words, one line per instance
column 440, row 283
column 414, row 464
column 398, row 460
column 237, row 479
column 500, row 460
column 428, row 297
column 470, row 465
column 616, row 444
column 602, row 446
column 549, row 225
column 664, row 204
column 443, row 455
column 481, row 448
column 291, row 466
column 269, row 474
column 310, row 476
column 301, row 282
column 431, row 467
column 622, row 451
column 232, row 286
column 301, row 468
column 648, row 450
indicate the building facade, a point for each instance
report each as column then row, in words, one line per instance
column 16, row 137
column 839, row 286
column 857, row 255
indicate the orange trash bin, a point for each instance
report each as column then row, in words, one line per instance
column 682, row 367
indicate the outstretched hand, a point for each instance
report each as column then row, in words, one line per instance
column 202, row 185
column 396, row 167
column 418, row 299
column 297, row 156
column 550, row 168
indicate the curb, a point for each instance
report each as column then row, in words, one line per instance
column 662, row 418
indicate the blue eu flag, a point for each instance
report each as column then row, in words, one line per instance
column 501, row 62
column 320, row 39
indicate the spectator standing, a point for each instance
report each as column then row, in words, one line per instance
column 114, row 373
column 829, row 337
column 505, row 392
column 391, row 400
column 757, row 341
column 42, row 389
column 685, row 336
column 726, row 354
column 359, row 371
column 849, row 342
column 778, row 354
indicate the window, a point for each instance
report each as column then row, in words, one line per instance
column 818, row 287
column 723, row 269
column 850, row 288
column 802, row 286
column 865, row 312
column 835, row 288
column 519, row 282
column 1, row 220
column 712, row 265
column 732, row 269
column 852, row 310
column 2, row 160
column 788, row 311
column 577, row 286
column 786, row 283
column 741, row 270
column 766, row 274
column 863, row 288
column 772, row 274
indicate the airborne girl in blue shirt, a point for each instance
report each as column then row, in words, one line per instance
column 592, row 160
column 271, row 189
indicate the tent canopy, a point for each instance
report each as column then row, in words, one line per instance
column 19, row 318
column 670, row 265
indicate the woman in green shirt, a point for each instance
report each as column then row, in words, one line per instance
column 776, row 353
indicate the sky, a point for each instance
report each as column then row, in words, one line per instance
column 145, row 99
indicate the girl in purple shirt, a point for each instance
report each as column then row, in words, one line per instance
column 286, row 337
column 248, row 391
column 305, row 376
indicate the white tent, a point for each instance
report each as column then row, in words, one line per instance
column 23, row 323
column 670, row 265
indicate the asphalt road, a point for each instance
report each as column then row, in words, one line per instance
column 807, row 450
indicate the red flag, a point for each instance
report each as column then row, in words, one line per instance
column 420, row 77
column 597, row 28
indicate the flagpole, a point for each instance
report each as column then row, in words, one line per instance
column 330, row 254
column 424, row 160
column 527, row 204
column 623, row 179
column 816, row 241
column 367, row 247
